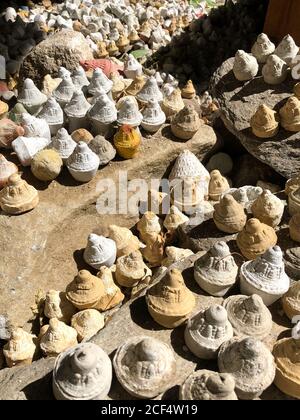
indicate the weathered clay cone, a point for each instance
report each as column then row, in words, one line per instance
column 245, row 66
column 112, row 293
column 63, row 144
column 125, row 240
column 85, row 291
column 118, row 85
column 103, row 149
column 58, row 338
column 250, row 363
column 174, row 255
column 127, row 142
column 207, row 331
column 58, row 306
column 218, row 185
column 149, row 227
column 294, row 201
column 136, row 86
column 46, row 165
column 264, row 122
column 255, row 239
column 172, row 103
column 100, row 251
column 206, row 385
column 9, row 131
column 6, row 170
column 20, row 348
column 18, row 197
column 268, row 209
column 188, row 91
column 249, row 316
column 131, row 270
column 173, row 220
column 87, row 323
column 216, row 271
column 186, row 123
column 170, row 302
column 83, row 163
column 229, row 215
column 265, row 276
column 275, row 70
column 295, row 227
column 291, row 301
column 262, row 48
column 154, row 250
column 287, row 50
column 83, row 372
column 287, row 359
column 145, row 367
column 31, row 97
column 290, row 115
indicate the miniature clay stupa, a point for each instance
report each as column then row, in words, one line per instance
column 172, row 103
column 103, row 149
column 85, row 291
column 264, row 122
column 125, row 240
column 163, row 308
column 249, row 316
column 153, row 117
column 275, row 70
column 100, row 251
column 265, row 276
column 63, row 144
column 83, row 372
column 127, row 142
column 255, row 239
column 87, row 323
column 131, row 270
column 204, row 385
column 290, row 115
column 207, row 331
column 262, row 48
column 149, row 226
column 229, row 215
column 9, row 131
column 250, row 363
column 218, row 185
column 188, row 91
column 291, row 301
column 186, row 123
column 245, row 66
column 287, row 359
column 58, row 338
column 83, row 163
column 53, row 114
column 216, row 271
column 173, row 220
column 18, row 197
column 174, row 255
column 112, row 293
column 287, row 50
column 7, row 169
column 268, row 209
column 58, row 306
column 145, row 366
column 31, row 97
column 46, row 165
column 20, row 348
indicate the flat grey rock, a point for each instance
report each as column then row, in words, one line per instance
column 239, row 101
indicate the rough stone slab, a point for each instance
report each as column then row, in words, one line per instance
column 42, row 249
column 65, row 48
column 239, row 101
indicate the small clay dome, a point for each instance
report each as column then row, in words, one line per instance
column 264, row 122
column 229, row 215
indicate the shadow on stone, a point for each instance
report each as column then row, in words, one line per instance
column 141, row 317
column 40, row 389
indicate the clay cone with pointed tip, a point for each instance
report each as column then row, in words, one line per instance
column 127, row 142
column 18, row 196
column 20, row 349
column 131, row 270
column 186, row 123
column 172, row 103
column 287, row 359
column 170, row 302
column 229, row 215
column 264, row 122
column 218, row 185
column 290, row 115
column 125, row 240
column 6, row 170
column 58, row 338
column 58, row 306
column 255, row 239
column 291, row 301
column 268, row 209
column 112, row 293
column 85, row 291
column 87, row 323
column 188, row 91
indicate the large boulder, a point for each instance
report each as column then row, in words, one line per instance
column 65, row 48
column 239, row 101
